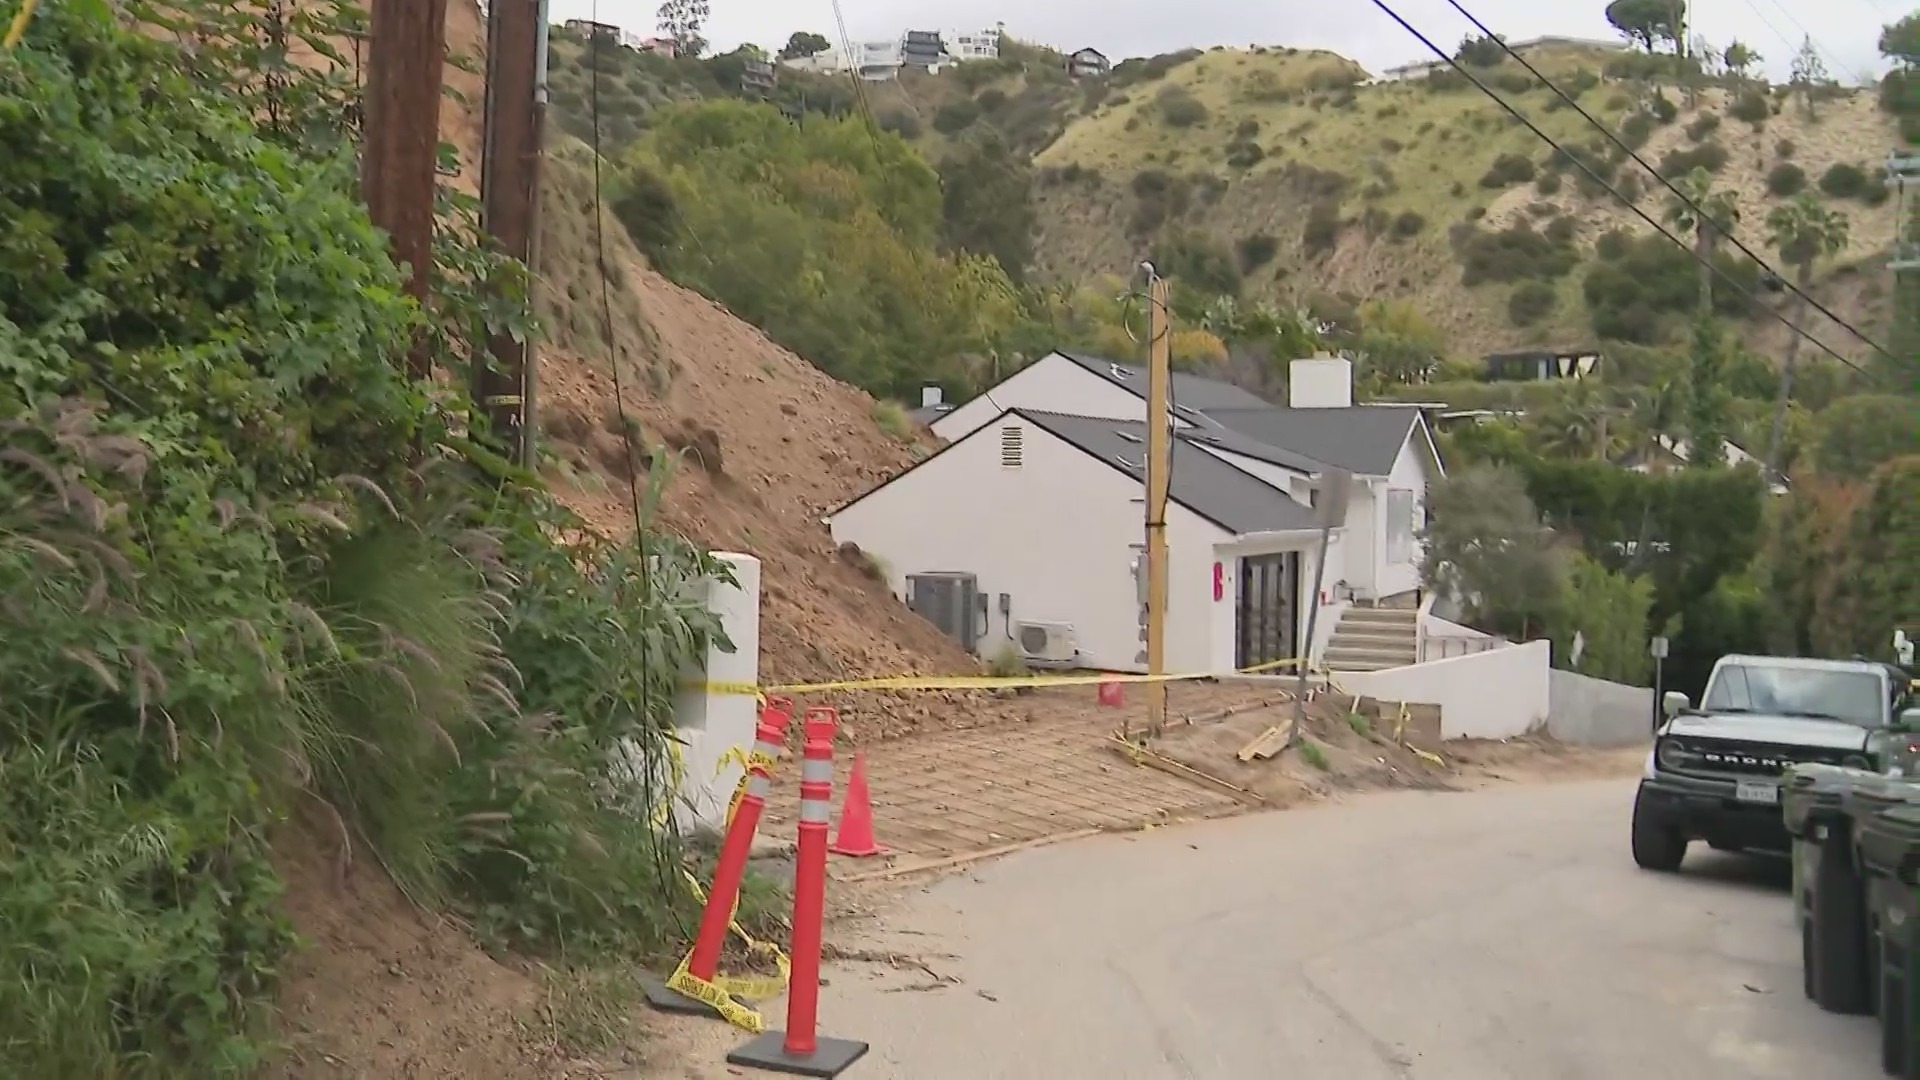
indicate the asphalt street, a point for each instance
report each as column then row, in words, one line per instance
column 1476, row 936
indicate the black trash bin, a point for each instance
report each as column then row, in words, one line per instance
column 1812, row 808
column 1889, row 848
column 1841, row 943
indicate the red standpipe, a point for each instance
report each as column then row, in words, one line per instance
column 810, row 880
column 731, row 868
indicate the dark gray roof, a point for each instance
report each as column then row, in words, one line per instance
column 1217, row 491
column 1363, row 439
column 927, row 414
column 1212, row 433
column 1191, row 393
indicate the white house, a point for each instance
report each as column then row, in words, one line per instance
column 1388, row 448
column 1043, row 513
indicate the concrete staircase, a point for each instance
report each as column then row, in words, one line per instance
column 1374, row 639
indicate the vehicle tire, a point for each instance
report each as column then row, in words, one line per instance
column 1656, row 845
column 1896, row 1028
column 1840, row 941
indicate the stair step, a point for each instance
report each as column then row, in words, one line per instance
column 1381, row 615
column 1370, row 638
column 1335, row 657
column 1359, row 666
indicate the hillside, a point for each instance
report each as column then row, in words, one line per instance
column 1283, row 175
column 1370, row 190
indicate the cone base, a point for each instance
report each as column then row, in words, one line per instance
column 860, row 853
column 830, row 1057
column 666, row 999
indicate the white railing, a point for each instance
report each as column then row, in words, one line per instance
column 1447, row 646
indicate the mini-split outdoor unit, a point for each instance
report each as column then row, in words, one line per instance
column 1045, row 644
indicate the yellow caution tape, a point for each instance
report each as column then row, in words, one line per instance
column 971, row 682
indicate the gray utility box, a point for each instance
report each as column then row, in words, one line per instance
column 951, row 601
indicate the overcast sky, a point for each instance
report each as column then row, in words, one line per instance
column 1845, row 31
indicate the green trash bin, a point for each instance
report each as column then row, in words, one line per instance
column 1889, row 846
column 1840, row 942
column 1812, row 808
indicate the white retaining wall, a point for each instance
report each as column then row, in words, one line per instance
column 1586, row 711
column 1496, row 694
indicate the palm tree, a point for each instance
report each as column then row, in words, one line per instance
column 1706, row 213
column 1801, row 231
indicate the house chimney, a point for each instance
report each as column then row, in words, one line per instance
column 929, row 396
column 1320, row 382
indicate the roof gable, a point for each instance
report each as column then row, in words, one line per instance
column 1229, row 497
column 1191, row 393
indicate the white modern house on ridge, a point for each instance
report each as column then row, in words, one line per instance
column 1025, row 531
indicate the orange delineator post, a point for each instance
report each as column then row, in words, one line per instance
column 730, row 869
column 799, row 1050
column 856, row 817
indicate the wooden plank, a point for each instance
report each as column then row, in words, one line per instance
column 1268, row 743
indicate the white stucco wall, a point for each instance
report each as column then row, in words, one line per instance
column 1057, row 535
column 1052, row 383
column 1409, row 473
column 1490, row 695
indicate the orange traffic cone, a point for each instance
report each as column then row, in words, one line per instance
column 856, row 817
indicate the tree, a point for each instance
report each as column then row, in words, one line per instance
column 1859, row 433
column 1487, row 547
column 987, row 203
column 1648, row 22
column 1706, row 213
column 1900, row 42
column 1801, row 231
column 802, row 44
column 1809, row 74
column 1707, row 397
column 682, row 20
column 1740, row 59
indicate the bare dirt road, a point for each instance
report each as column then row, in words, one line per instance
column 1491, row 934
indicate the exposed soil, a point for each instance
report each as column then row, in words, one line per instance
column 1352, row 748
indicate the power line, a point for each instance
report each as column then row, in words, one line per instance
column 594, row 37
column 1629, row 203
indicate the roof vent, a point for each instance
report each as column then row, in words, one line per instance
column 1128, row 435
column 1012, row 445
column 1135, row 466
column 1119, row 372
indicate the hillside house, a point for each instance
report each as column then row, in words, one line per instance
column 1537, row 365
column 1254, row 555
column 1088, row 64
column 1529, row 48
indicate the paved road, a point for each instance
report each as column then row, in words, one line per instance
column 1503, row 933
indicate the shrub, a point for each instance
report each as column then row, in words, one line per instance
column 1636, row 130
column 1786, row 180
column 1752, row 107
column 901, row 123
column 1179, row 108
column 1508, row 170
column 1844, row 181
column 1613, row 244
column 1516, row 253
column 955, row 117
column 1408, row 224
column 1630, row 296
column 1548, row 183
column 1703, row 126
column 1531, row 302
column 1323, row 227
column 991, row 101
column 1245, row 155
column 1561, row 230
column 1255, row 251
column 1663, row 108
column 1198, row 262
column 1709, row 155
column 1785, row 148
column 1247, row 129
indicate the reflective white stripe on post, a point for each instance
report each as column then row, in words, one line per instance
column 758, row 785
column 816, row 771
column 815, row 810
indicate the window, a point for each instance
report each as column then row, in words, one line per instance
column 1399, row 526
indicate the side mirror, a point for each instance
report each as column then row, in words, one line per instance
column 1673, row 703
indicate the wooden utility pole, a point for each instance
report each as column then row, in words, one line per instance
column 510, row 203
column 1159, row 481
column 402, row 149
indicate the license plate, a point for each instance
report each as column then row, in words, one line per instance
column 1757, row 791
